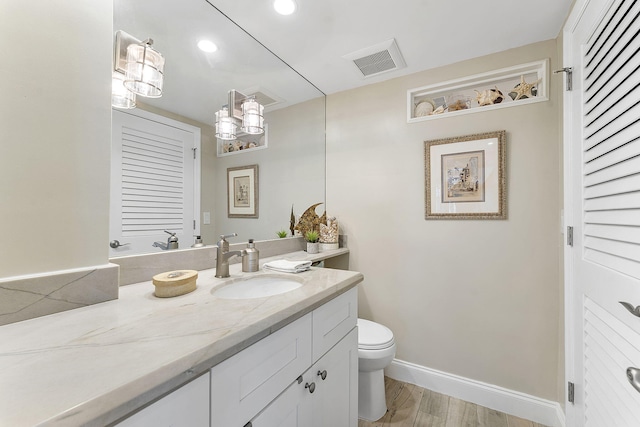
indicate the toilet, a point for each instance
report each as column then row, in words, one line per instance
column 376, row 350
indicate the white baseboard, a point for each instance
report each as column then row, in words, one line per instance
column 491, row 396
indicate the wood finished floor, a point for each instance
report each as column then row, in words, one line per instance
column 412, row 406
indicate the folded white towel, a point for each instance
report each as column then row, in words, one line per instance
column 286, row 266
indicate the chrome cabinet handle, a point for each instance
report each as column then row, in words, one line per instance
column 322, row 374
column 633, row 375
column 311, row 387
column 633, row 310
column 115, row 244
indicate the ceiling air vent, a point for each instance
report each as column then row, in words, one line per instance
column 381, row 58
column 265, row 98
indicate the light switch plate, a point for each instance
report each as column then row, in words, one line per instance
column 206, row 220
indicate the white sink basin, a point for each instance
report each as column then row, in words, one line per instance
column 257, row 287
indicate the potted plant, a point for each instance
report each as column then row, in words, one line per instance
column 281, row 234
column 313, row 245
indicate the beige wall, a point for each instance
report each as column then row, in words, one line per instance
column 477, row 298
column 55, row 133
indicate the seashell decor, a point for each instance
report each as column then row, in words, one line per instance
column 489, row 96
column 424, row 108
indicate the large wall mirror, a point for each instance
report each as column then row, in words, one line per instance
column 291, row 170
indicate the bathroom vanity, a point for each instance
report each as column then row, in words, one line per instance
column 313, row 362
column 305, row 374
column 191, row 360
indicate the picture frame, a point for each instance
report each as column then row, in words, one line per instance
column 242, row 192
column 465, row 177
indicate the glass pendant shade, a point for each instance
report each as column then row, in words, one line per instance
column 252, row 117
column 225, row 126
column 144, row 70
column 121, row 97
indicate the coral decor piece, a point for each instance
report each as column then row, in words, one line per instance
column 524, row 90
column 309, row 221
column 329, row 232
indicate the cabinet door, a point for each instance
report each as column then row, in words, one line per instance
column 333, row 321
column 244, row 384
column 293, row 408
column 335, row 401
column 186, row 406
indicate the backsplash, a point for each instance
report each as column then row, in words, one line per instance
column 27, row 297
column 141, row 268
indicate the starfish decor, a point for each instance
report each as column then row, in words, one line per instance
column 524, row 90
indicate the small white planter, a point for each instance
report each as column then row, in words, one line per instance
column 313, row 248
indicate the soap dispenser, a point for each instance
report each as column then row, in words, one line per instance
column 250, row 258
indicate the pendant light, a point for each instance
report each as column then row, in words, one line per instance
column 225, row 125
column 137, row 69
column 144, row 70
column 252, row 116
column 121, row 97
column 242, row 112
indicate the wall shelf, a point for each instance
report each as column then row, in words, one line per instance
column 242, row 144
column 462, row 92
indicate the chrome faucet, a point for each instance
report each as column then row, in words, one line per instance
column 223, row 254
column 172, row 242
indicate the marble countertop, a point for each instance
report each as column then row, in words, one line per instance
column 93, row 365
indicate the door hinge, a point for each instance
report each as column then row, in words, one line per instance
column 569, row 76
column 194, row 153
column 570, row 236
column 571, row 393
column 194, row 224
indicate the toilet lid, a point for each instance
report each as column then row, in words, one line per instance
column 373, row 336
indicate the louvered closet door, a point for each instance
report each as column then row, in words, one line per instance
column 152, row 182
column 602, row 130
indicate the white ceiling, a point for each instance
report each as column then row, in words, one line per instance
column 429, row 33
column 313, row 41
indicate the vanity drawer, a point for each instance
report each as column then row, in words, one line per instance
column 244, row 384
column 334, row 320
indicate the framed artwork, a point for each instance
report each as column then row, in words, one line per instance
column 465, row 177
column 242, row 192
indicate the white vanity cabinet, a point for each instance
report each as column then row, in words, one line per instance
column 279, row 380
column 186, row 406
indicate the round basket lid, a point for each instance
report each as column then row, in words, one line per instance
column 373, row 335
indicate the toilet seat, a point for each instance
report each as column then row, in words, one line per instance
column 373, row 336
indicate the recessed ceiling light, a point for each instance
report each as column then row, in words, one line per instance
column 285, row 7
column 207, row 46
